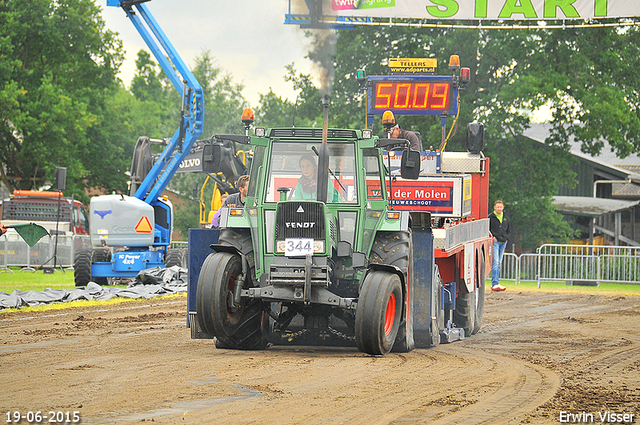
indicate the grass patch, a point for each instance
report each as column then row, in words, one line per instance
column 37, row 281
column 562, row 287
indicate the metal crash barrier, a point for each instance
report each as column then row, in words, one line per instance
column 587, row 264
column 15, row 252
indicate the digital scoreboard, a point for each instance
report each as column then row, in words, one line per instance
column 412, row 95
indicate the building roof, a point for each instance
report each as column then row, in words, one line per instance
column 590, row 207
column 627, row 167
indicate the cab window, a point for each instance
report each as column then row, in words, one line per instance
column 294, row 170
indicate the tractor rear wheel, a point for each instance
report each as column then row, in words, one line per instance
column 396, row 249
column 234, row 326
column 378, row 313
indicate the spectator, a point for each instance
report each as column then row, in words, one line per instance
column 501, row 231
column 215, row 221
column 236, row 200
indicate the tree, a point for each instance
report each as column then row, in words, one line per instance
column 306, row 111
column 57, row 72
column 223, row 109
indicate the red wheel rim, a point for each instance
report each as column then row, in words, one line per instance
column 390, row 316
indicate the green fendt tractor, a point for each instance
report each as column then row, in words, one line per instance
column 335, row 242
column 316, row 253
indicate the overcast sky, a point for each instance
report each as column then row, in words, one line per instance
column 247, row 38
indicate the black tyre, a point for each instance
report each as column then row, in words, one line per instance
column 101, row 255
column 174, row 257
column 185, row 256
column 378, row 312
column 464, row 315
column 82, row 267
column 396, row 249
column 480, row 285
column 433, row 337
column 241, row 239
column 240, row 327
column 470, row 307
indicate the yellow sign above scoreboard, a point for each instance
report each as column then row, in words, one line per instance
column 413, row 65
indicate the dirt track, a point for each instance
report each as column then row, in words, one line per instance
column 537, row 355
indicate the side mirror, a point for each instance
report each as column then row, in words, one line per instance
column 475, row 137
column 410, row 164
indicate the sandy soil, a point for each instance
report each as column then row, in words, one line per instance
column 538, row 358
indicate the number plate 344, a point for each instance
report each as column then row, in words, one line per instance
column 297, row 247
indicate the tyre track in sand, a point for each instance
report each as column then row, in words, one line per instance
column 133, row 364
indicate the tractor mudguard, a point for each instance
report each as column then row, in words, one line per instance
column 396, row 225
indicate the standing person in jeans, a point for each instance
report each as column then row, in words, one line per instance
column 501, row 231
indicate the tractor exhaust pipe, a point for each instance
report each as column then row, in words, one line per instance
column 325, row 118
column 323, row 153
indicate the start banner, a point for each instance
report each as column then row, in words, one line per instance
column 486, row 9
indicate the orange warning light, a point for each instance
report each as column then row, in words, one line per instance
column 144, row 226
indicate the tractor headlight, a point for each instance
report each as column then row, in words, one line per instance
column 318, row 246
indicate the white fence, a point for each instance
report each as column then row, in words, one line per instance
column 15, row 252
column 574, row 263
column 551, row 263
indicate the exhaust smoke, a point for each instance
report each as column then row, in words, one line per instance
column 322, row 42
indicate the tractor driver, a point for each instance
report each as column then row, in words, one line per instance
column 307, row 187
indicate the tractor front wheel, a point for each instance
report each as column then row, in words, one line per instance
column 378, row 313
column 235, row 326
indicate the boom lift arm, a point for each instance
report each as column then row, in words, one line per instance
column 139, row 227
column 192, row 119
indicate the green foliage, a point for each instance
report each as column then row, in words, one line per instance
column 584, row 76
column 306, row 111
column 526, row 176
column 57, row 71
column 222, row 97
column 62, row 105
